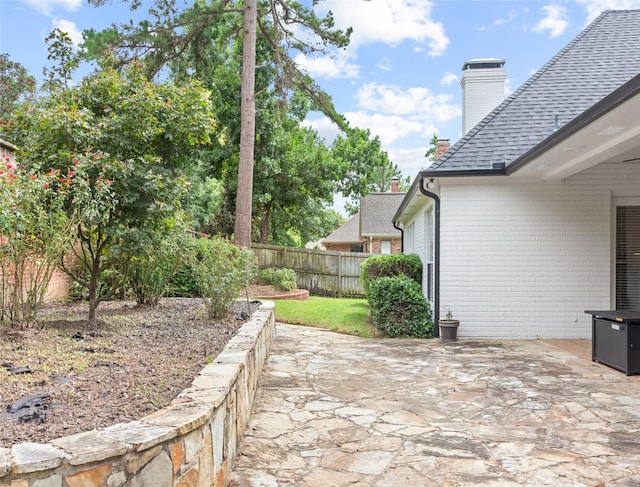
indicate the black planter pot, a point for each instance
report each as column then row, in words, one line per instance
column 449, row 330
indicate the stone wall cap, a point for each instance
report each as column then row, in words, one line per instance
column 214, row 382
column 141, row 436
column 185, row 416
column 210, row 396
column 34, row 457
column 5, row 461
column 89, row 447
column 230, row 370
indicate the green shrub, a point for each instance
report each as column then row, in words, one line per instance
column 399, row 309
column 221, row 270
column 149, row 271
column 284, row 279
column 183, row 284
column 379, row 266
column 111, row 283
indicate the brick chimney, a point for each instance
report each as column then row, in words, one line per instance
column 442, row 146
column 394, row 184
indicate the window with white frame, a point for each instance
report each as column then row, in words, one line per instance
column 409, row 238
column 427, row 263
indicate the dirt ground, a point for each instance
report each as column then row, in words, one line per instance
column 133, row 361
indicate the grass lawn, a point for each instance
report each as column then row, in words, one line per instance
column 348, row 316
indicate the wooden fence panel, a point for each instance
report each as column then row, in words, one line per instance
column 321, row 272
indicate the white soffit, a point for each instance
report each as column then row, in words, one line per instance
column 614, row 137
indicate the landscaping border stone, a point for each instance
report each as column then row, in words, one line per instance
column 191, row 442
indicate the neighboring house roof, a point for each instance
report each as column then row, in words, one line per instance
column 377, row 210
column 373, row 220
column 348, row 232
column 602, row 58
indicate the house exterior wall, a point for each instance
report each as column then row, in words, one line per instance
column 525, row 259
column 58, row 289
column 374, row 245
column 338, row 247
column 414, row 238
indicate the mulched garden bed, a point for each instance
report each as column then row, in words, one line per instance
column 134, row 360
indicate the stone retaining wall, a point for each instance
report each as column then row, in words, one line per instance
column 190, row 443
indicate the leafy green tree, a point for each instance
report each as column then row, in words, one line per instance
column 16, row 86
column 148, row 259
column 285, row 26
column 120, row 144
column 365, row 167
column 279, row 195
column 298, row 170
column 62, row 52
column 431, row 151
column 206, row 197
column 303, row 225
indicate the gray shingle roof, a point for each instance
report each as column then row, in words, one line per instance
column 377, row 210
column 348, row 232
column 599, row 60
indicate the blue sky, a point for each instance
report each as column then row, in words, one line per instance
column 400, row 76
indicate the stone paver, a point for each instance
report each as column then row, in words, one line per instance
column 336, row 410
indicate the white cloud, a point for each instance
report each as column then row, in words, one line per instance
column 338, row 66
column 506, row 20
column 324, row 127
column 384, row 64
column 410, row 161
column 71, row 30
column 596, row 7
column 448, row 79
column 508, row 88
column 555, row 21
column 388, row 21
column 393, row 100
column 389, row 128
column 396, row 115
column 46, row 7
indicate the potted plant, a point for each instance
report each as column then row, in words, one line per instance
column 448, row 328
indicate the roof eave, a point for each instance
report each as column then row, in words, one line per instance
column 413, row 190
column 382, row 235
column 622, row 94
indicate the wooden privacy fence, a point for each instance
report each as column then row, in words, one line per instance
column 322, row 273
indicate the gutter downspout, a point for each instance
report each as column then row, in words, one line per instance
column 401, row 230
column 436, row 257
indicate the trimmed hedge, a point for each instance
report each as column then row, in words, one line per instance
column 399, row 309
column 378, row 266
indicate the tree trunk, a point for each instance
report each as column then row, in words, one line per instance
column 93, row 289
column 242, row 232
column 265, row 224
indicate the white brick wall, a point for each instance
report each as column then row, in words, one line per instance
column 415, row 239
column 524, row 260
